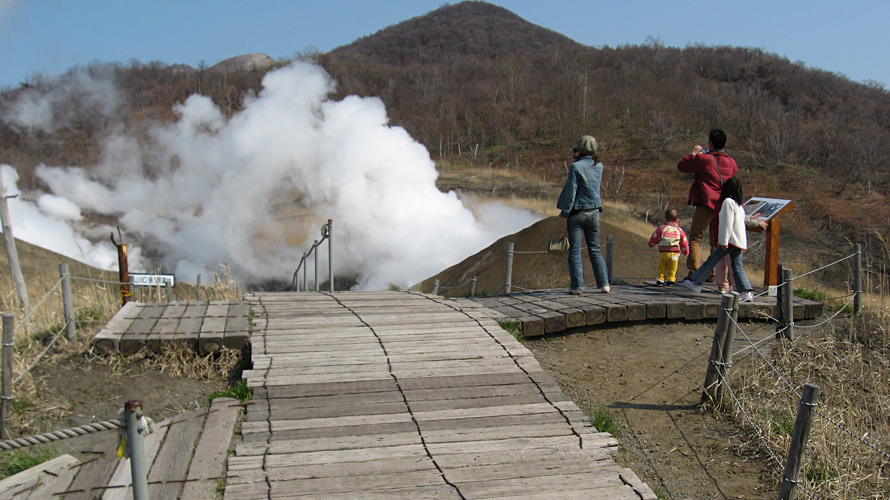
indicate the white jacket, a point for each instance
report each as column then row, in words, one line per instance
column 732, row 225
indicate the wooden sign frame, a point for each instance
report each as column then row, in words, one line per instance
column 769, row 210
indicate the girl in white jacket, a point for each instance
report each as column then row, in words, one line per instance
column 731, row 240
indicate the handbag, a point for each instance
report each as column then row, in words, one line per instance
column 559, row 245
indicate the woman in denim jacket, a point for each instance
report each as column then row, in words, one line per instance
column 579, row 203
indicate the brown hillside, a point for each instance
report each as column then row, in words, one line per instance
column 476, row 29
column 541, row 270
column 40, row 267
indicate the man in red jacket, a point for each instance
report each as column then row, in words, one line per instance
column 711, row 168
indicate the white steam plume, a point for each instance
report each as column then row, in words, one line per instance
column 254, row 190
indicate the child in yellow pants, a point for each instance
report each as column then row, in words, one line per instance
column 671, row 241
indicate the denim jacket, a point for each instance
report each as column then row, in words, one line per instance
column 582, row 189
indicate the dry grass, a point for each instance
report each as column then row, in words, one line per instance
column 850, row 362
column 96, row 300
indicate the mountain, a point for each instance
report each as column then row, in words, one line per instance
column 467, row 29
column 485, row 90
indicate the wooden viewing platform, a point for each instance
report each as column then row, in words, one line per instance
column 379, row 395
column 397, row 395
column 205, row 327
column 551, row 311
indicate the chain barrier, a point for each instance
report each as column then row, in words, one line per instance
column 28, row 315
column 794, row 390
column 859, row 438
column 40, row 356
column 750, row 420
column 48, row 437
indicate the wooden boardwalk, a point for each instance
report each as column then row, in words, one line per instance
column 397, row 395
column 541, row 312
column 205, row 327
column 186, row 455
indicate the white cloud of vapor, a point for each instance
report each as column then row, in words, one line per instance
column 254, row 190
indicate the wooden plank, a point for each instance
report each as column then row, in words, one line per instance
column 120, row 485
column 209, row 459
column 40, row 481
column 170, row 467
column 96, row 471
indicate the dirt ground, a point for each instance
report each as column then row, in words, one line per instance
column 79, row 389
column 649, row 375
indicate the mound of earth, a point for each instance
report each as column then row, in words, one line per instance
column 631, row 259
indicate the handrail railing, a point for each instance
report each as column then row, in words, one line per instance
column 325, row 235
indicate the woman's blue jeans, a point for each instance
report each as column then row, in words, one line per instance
column 738, row 268
column 586, row 223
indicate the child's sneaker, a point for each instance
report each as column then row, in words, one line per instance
column 747, row 297
column 659, row 283
column 607, row 289
column 695, row 287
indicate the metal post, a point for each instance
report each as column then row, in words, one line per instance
column 198, row 287
column 788, row 302
column 710, row 392
column 331, row 254
column 435, row 287
column 170, row 294
column 857, row 281
column 136, row 446
column 67, row 303
column 798, row 441
column 315, row 258
column 305, row 265
column 610, row 247
column 780, row 297
column 6, row 361
column 508, row 274
column 473, row 287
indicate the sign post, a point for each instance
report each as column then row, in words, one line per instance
column 769, row 210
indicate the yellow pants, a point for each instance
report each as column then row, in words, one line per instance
column 667, row 266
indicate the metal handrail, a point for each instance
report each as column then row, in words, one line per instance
column 325, row 235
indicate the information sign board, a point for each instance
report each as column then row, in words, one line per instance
column 145, row 279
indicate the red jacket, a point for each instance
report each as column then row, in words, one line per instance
column 705, row 190
column 670, row 238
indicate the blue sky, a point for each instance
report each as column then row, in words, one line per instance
column 51, row 36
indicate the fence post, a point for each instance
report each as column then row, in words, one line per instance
column 610, row 246
column 711, row 382
column 136, row 446
column 508, row 273
column 473, row 286
column 726, row 356
column 12, row 255
column 67, row 304
column 331, row 255
column 788, row 302
column 435, row 287
column 857, row 281
column 315, row 258
column 6, row 361
column 798, row 441
column 305, row 266
column 170, row 294
column 780, row 294
column 198, row 287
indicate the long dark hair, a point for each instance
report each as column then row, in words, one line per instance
column 732, row 189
